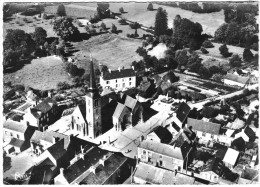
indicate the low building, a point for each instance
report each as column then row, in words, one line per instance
column 118, row 79
column 163, row 155
column 17, row 134
column 42, row 114
column 212, row 170
column 235, row 80
column 205, row 130
column 230, row 158
column 93, row 165
column 148, row 174
column 41, row 141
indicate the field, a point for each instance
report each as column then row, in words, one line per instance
column 108, row 49
column 43, row 73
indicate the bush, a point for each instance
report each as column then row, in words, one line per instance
column 122, row 21
column 235, row 61
column 150, row 7
column 63, row 86
column 203, row 50
column 247, row 55
column 207, row 44
column 224, row 51
column 103, row 26
column 134, row 25
column 113, row 29
column 121, row 10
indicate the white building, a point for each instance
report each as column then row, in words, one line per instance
column 118, row 79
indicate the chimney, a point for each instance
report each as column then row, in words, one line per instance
column 54, row 139
column 102, row 162
column 119, row 69
column 108, row 139
column 81, row 148
column 49, row 94
column 61, row 171
column 109, row 70
column 92, row 169
column 133, row 67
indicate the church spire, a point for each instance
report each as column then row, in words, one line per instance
column 92, row 82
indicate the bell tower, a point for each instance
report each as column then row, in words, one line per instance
column 93, row 106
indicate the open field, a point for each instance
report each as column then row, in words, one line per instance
column 43, row 74
column 17, row 22
column 108, row 49
column 138, row 12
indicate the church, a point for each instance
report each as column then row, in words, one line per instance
column 94, row 118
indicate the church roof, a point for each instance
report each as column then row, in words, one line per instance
column 119, row 74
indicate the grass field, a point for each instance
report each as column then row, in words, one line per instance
column 108, row 49
column 43, row 74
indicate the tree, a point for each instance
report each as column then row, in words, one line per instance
column 10, row 58
column 39, row 36
column 224, row 51
column 181, row 57
column 204, row 72
column 209, row 112
column 214, row 69
column 220, row 33
column 235, row 61
column 103, row 10
column 121, row 10
column 207, row 44
column 161, row 22
column 203, row 50
column 150, row 7
column 122, row 21
column 247, row 55
column 194, row 63
column 232, row 34
column 141, row 51
column 19, row 42
column 113, row 29
column 103, row 26
column 61, row 10
column 65, row 29
column 104, row 68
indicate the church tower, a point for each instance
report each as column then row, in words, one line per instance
column 93, row 106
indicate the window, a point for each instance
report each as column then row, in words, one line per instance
column 116, row 85
column 96, row 103
column 203, row 134
column 123, row 80
column 130, row 83
column 129, row 78
column 116, row 81
column 88, row 102
column 18, row 136
column 144, row 152
column 107, row 82
column 212, row 136
column 123, row 85
column 160, row 156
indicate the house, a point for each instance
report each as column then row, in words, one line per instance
column 253, row 121
column 118, row 79
column 205, row 130
column 148, row 174
column 93, row 165
column 250, row 176
column 182, row 112
column 146, row 88
column 115, row 170
column 42, row 114
column 231, row 158
column 235, row 80
column 17, row 134
column 247, row 134
column 32, row 98
column 212, row 170
column 41, row 141
column 163, row 155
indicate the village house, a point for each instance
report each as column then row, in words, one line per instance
column 148, row 174
column 204, row 130
column 235, row 80
column 118, row 79
column 42, row 115
column 18, row 135
column 163, row 155
column 230, row 158
column 41, row 141
column 89, row 166
column 212, row 170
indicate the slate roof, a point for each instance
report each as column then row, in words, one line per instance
column 130, row 102
column 167, row 150
column 236, row 78
column 48, row 136
column 250, row 174
column 44, row 106
column 155, row 175
column 16, row 142
column 119, row 74
column 253, row 119
column 215, row 165
column 103, row 173
column 249, row 132
column 15, row 126
column 82, row 165
column 182, row 111
column 57, row 150
column 203, row 126
column 119, row 110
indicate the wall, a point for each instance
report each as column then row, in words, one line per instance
column 13, row 134
column 118, row 83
